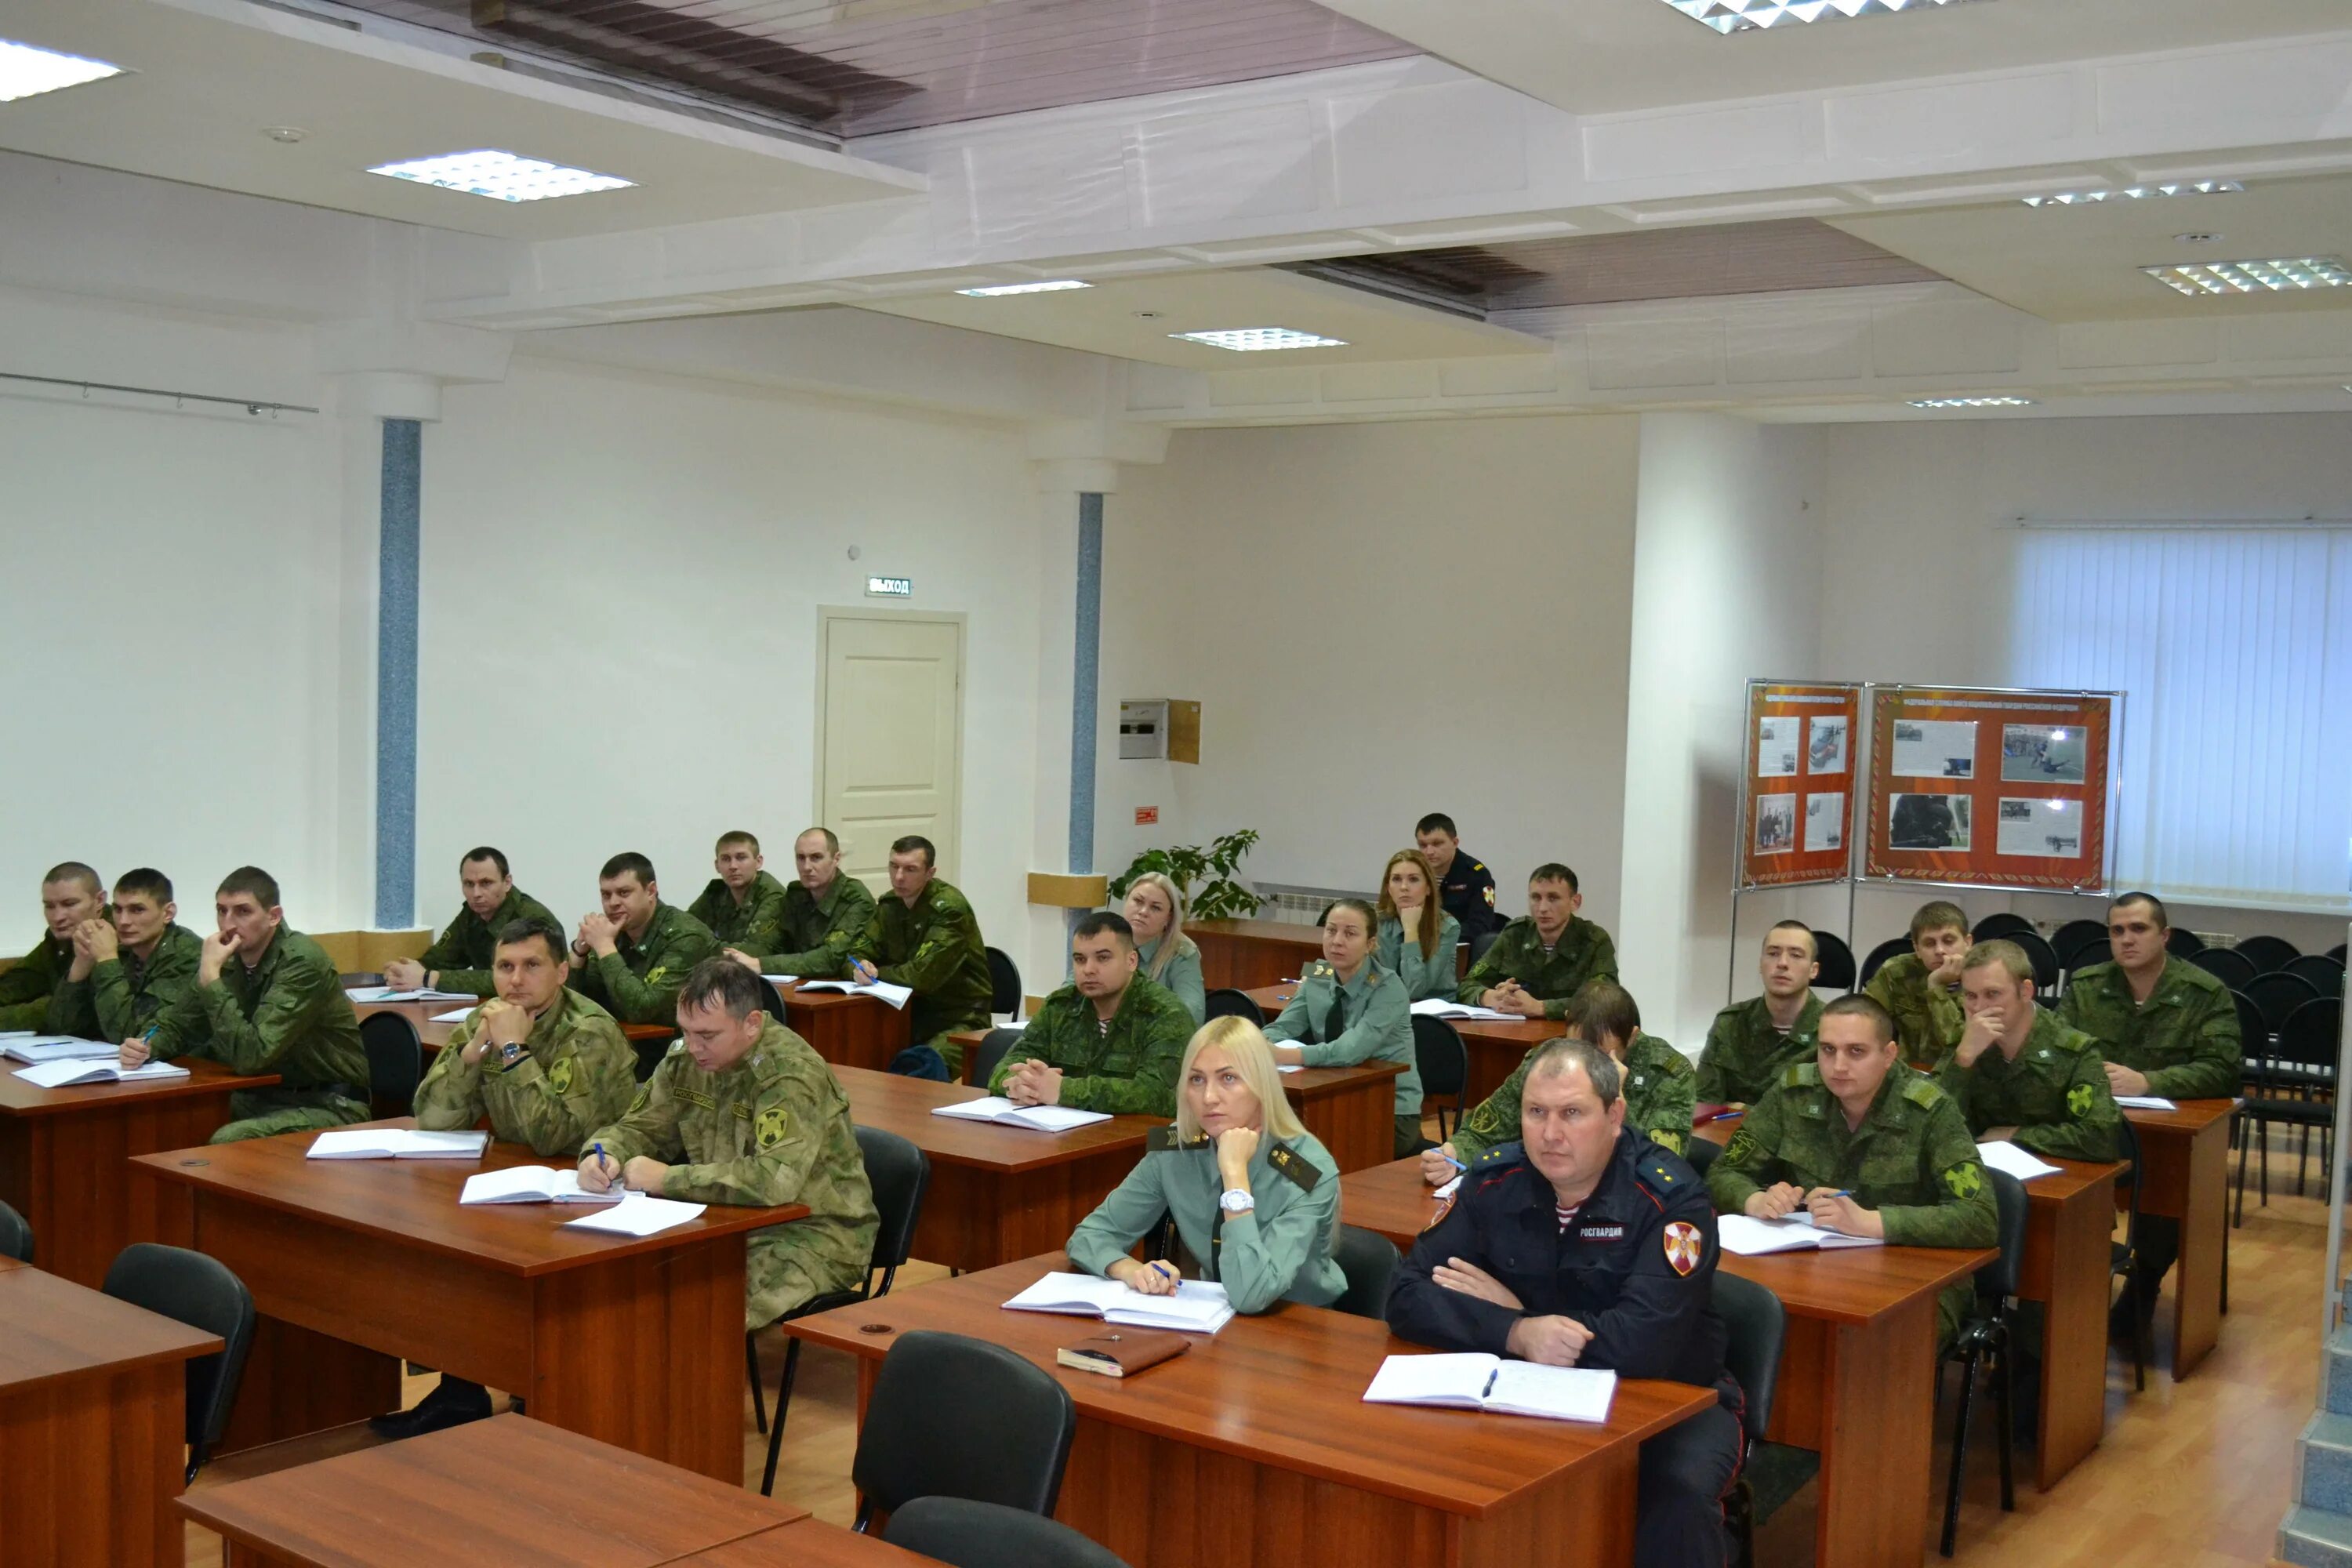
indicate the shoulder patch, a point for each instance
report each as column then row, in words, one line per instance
column 1296, row 1167
column 559, row 1077
column 1685, row 1247
column 1444, row 1206
column 1161, row 1139
column 770, row 1126
column 1922, row 1091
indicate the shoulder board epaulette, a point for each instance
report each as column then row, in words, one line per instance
column 1294, row 1165
column 2072, row 1039
column 1671, row 1062
column 1477, row 865
column 1373, row 979
column 2200, row 979
column 1801, row 1075
column 1499, row 1154
column 1922, row 1091
column 1666, row 1175
column 1161, row 1140
column 1319, row 970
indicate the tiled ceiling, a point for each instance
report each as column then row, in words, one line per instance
column 858, row 67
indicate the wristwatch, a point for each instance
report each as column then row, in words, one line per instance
column 510, row 1052
column 1237, row 1202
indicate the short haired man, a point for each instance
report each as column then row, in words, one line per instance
column 126, row 971
column 267, row 999
column 1109, row 1040
column 742, row 1111
column 635, row 952
column 743, row 905
column 1751, row 1042
column 2165, row 1028
column 1866, row 1147
column 1545, row 957
column 926, row 937
column 70, row 895
column 461, row 960
column 1921, row 988
column 1582, row 1244
column 824, row 912
column 1465, row 887
column 2018, row 1073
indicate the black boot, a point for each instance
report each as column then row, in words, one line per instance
column 452, row 1402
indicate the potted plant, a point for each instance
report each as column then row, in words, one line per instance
column 1218, row 895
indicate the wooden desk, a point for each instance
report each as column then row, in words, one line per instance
column 509, row 1491
column 356, row 1263
column 63, row 1155
column 433, row 1036
column 2185, row 1155
column 1495, row 1048
column 848, row 1031
column 1857, row 1371
column 811, row 1543
column 1255, row 1450
column 1245, row 954
column 996, row 1193
column 2069, row 1219
column 92, row 1424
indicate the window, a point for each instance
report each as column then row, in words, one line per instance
column 2232, row 644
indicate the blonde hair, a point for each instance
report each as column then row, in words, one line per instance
column 1173, row 942
column 1436, row 915
column 1245, row 1042
column 2007, row 954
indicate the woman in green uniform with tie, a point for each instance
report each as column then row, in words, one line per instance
column 1348, row 1009
column 1155, row 912
column 1417, row 938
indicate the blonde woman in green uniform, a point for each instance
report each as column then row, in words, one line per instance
column 1417, row 937
column 1349, row 1009
column 1155, row 912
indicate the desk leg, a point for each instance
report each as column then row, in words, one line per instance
column 1861, row 1395
column 2073, row 1336
column 2197, row 1277
column 88, row 1467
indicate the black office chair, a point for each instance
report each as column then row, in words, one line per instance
column 2043, row 958
column 2069, row 938
column 898, row 1173
column 2256, row 1071
column 2089, row 955
column 2339, row 951
column 1986, row 1332
column 2268, row 954
column 2303, row 1064
column 2278, row 993
column 967, row 1534
column 1700, row 1154
column 1756, row 1326
column 353, row 982
column 2226, row 965
column 395, row 1060
column 2000, row 925
column 1894, row 947
column 1369, row 1260
column 772, row 999
column 2182, row 941
column 201, row 1292
column 1837, row 959
column 1227, row 1003
column 1480, row 943
column 1003, row 983
column 15, row 1235
column 953, row 1417
column 990, row 1051
column 2326, row 973
column 1444, row 1064
column 2123, row 1256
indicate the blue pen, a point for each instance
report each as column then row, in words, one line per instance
column 1727, row 1115
column 600, row 1155
column 1450, row 1159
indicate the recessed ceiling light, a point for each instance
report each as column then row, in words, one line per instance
column 2137, row 193
column 995, row 291
column 26, row 70
column 1971, row 403
column 2198, row 280
column 2197, row 237
column 288, row 134
column 502, row 176
column 1249, row 340
column 1747, row 15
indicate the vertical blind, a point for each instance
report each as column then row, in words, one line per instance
column 2234, row 646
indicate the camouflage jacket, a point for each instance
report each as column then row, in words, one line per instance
column 1130, row 1067
column 461, row 956
column 287, row 1015
column 1927, row 1018
column 935, row 948
column 1377, row 1024
column 2184, row 1038
column 638, row 981
column 2055, row 1092
column 576, row 1074
column 29, row 991
column 1744, row 1055
column 814, row 935
column 754, row 925
column 1584, row 953
column 125, row 995
column 1657, row 1088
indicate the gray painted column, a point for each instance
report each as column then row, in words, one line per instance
column 395, row 684
column 1085, row 688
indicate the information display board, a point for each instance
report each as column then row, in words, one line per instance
column 1798, row 784
column 1978, row 788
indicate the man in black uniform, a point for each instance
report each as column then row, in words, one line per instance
column 1586, row 1245
column 1465, row 886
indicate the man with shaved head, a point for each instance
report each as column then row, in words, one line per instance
column 71, row 894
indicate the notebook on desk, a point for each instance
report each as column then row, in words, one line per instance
column 38, row 1048
column 1004, row 1113
column 534, row 1184
column 79, row 1071
column 1475, row 1380
column 396, row 1144
column 1198, row 1307
column 1749, row 1237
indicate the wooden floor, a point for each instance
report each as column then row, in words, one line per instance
column 2194, row 1476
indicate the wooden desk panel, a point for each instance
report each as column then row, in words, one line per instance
column 2068, row 1221
column 811, row 1543
column 848, row 1031
column 1245, row 954
column 1494, row 1049
column 2186, row 1154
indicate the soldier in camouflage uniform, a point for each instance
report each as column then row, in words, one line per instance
column 2018, row 1068
column 71, row 894
column 1348, row 1009
column 127, row 971
column 744, row 906
column 632, row 958
column 1109, row 1040
column 267, row 999
column 926, row 937
column 1921, row 988
column 1751, row 1042
column 742, row 1111
column 824, row 912
column 1541, row 960
column 460, row 960
column 1859, row 1123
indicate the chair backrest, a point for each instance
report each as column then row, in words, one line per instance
column 2342, row 954
column 2312, row 1034
column 1368, row 1258
column 1701, row 1153
column 2089, row 954
column 1481, row 943
column 954, row 1416
column 2000, row 925
column 2226, row 965
column 773, row 1002
column 352, row 982
column 2068, row 939
column 1891, row 948
column 1755, row 1326
column 2182, row 940
column 1836, row 961
column 1438, row 1052
column 898, row 1173
column 969, row 1534
column 2254, row 1030
column 2128, row 1150
column 15, row 1235
column 2279, row 993
column 1225, row 1002
column 395, row 1060
column 2326, row 973
column 2267, row 954
column 201, row 1292
column 2044, row 957
column 2000, row 1278
column 990, row 1051
column 1003, row 983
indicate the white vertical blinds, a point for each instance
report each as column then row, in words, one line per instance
column 2234, row 646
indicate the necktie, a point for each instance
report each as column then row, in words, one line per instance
column 1334, row 1022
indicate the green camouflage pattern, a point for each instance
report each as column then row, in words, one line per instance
column 1281, row 1251
column 29, row 990
column 1130, row 1070
column 2055, row 1093
column 934, row 948
column 1422, row 977
column 577, row 1073
column 2184, row 1038
column 1928, row 1019
column 1657, row 1086
column 288, row 1015
column 638, row 981
column 125, row 995
column 1378, row 1026
column 1584, row 953
column 815, row 935
column 755, row 925
column 1744, row 1055
column 460, row 957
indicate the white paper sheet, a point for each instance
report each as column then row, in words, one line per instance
column 638, row 1215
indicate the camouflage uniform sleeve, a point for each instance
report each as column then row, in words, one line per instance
column 953, row 931
column 829, row 960
column 1045, row 1029
column 25, row 989
column 653, row 999
column 2216, row 1059
column 2086, row 1129
column 179, row 1024
column 1122, row 1219
column 1600, row 964
column 447, row 954
column 1964, row 1214
column 1667, row 1102
column 449, row 1098
column 649, row 1126
column 763, row 922
column 73, row 1009
column 1494, row 1120
column 291, row 1009
column 708, row 904
column 1713, row 1084
column 1491, row 970
column 1751, row 1163
column 552, row 1105
column 1160, row 1041
column 1946, row 1022
column 789, row 1121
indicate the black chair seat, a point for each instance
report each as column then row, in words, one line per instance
column 2324, row 972
column 201, row 1292
column 2226, row 965
column 1369, row 1260
column 1894, row 947
column 991, row 1050
column 1444, row 1064
column 1227, row 1003
column 1837, row 959
column 2004, row 924
column 2070, row 938
column 396, row 1058
column 2268, row 954
column 1003, row 983
column 968, row 1534
column 955, row 1417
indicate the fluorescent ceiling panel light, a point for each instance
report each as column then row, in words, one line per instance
column 2199, row 279
column 997, row 290
column 26, row 70
column 2137, row 193
column 502, row 176
column 1749, row 16
column 1249, row 340
column 1971, row 403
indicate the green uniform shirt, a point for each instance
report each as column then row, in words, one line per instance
column 814, row 935
column 1422, row 977
column 1128, row 1069
column 1657, row 1086
column 461, row 958
column 2184, row 1038
column 773, row 1129
column 1744, row 1055
column 29, row 991
column 576, row 1074
column 1182, row 974
column 125, row 995
column 1281, row 1251
column 288, row 1015
column 639, row 981
column 2055, row 1093
column 756, row 924
column 1377, row 1024
column 1584, row 953
column 934, row 948
column 1927, row 1018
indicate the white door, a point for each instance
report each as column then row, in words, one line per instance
column 890, row 736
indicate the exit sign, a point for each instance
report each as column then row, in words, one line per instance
column 1145, row 815
column 889, row 587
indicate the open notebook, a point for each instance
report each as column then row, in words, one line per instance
column 1198, row 1307
column 2000, row 1154
column 1439, row 1007
column 367, row 993
column 534, row 1184
column 897, row 995
column 70, row 1071
column 39, row 1049
column 1039, row 1118
column 1754, row 1238
column 1475, row 1380
column 397, row 1143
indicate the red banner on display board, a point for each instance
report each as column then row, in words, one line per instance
column 1988, row 788
column 1801, row 741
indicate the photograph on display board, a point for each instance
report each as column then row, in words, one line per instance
column 2036, row 754
column 1776, row 746
column 2051, row 828
column 1928, row 821
column 1825, row 822
column 1826, row 746
column 1936, row 748
column 1776, row 824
